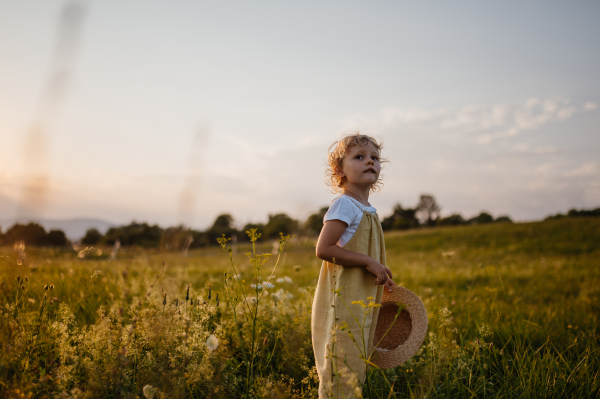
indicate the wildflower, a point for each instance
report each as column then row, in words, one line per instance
column 212, row 343
column 485, row 330
column 96, row 274
column 444, row 317
column 361, row 303
column 266, row 284
column 256, row 287
column 448, row 254
column 149, row 392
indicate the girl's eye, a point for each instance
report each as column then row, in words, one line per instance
column 359, row 157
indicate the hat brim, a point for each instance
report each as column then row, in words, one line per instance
column 388, row 358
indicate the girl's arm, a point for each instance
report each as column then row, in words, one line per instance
column 327, row 249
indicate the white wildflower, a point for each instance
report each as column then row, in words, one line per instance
column 212, row 343
column 96, row 274
column 149, row 392
column 266, row 284
column 485, row 330
column 288, row 279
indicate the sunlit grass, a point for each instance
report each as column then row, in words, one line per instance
column 513, row 312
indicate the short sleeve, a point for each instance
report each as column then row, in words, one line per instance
column 342, row 209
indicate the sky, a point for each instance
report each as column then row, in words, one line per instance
column 174, row 112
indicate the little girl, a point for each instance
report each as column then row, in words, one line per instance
column 353, row 253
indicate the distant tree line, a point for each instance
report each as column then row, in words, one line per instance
column 425, row 214
column 33, row 234
column 574, row 213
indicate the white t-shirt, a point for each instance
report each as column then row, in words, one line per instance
column 349, row 211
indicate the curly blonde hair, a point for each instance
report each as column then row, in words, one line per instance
column 335, row 157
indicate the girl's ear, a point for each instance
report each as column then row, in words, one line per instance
column 339, row 172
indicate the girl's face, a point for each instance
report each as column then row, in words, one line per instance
column 361, row 166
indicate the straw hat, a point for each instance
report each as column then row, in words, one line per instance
column 406, row 335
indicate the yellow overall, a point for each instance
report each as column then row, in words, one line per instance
column 339, row 357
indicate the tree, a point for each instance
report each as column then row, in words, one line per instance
column 141, row 234
column 32, row 234
column 314, row 223
column 280, row 223
column 400, row 219
column 452, row 220
column 482, row 218
column 584, row 213
column 503, row 219
column 428, row 210
column 91, row 237
column 56, row 238
column 223, row 225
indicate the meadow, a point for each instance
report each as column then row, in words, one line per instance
column 513, row 313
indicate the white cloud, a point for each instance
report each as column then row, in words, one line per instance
column 587, row 169
column 488, row 123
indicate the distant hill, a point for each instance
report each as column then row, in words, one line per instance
column 73, row 228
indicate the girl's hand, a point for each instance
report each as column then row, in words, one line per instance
column 380, row 271
column 389, row 284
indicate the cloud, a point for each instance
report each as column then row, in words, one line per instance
column 488, row 123
column 587, row 169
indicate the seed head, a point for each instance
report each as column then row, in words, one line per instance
column 176, row 302
column 187, row 294
column 51, row 287
column 209, row 291
column 164, row 299
column 46, row 287
column 217, row 299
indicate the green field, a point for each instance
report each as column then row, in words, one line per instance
column 513, row 313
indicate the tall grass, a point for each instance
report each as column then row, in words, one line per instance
column 513, row 313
